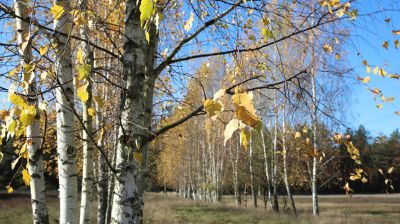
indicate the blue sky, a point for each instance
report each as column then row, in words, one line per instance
column 367, row 38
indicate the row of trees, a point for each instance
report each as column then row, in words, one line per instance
column 265, row 67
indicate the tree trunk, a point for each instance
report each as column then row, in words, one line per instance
column 284, row 154
column 275, row 204
column 102, row 179
column 266, row 168
column 128, row 194
column 33, row 135
column 65, row 120
column 87, row 172
column 314, row 187
column 253, row 190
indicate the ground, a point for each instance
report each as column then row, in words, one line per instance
column 171, row 209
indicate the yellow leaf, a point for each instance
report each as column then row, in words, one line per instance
column 396, row 32
column 57, row 11
column 382, row 72
column 387, row 100
column 147, row 34
column 244, row 139
column 18, row 100
column 29, row 68
column 354, row 177
column 347, row 188
column 390, row 170
column 92, row 112
column 188, row 24
column 43, row 50
column 337, row 55
column 267, row 34
column 379, row 106
column 297, row 135
column 82, row 93
column 246, row 117
column 328, row 48
column 365, row 62
column 368, row 69
column 244, row 100
column 365, row 80
column 230, row 128
column 375, row 70
column 385, row 45
column 9, row 189
column 396, row 43
column 79, row 56
column 1, row 154
column 147, row 9
column 364, row 180
column 84, row 71
column 213, row 108
column 28, row 115
column 26, row 177
column 394, row 76
column 138, row 157
column 14, row 71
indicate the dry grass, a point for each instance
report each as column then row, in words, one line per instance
column 170, row 209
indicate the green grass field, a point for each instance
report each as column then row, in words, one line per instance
column 171, row 209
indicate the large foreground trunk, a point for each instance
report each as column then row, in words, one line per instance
column 33, row 135
column 66, row 147
column 135, row 117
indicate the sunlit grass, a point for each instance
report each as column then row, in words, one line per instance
column 171, row 209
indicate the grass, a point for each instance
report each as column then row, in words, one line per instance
column 171, row 209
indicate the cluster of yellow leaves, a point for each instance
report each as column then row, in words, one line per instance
column 388, row 181
column 245, row 113
column 358, row 174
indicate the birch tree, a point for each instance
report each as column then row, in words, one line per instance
column 66, row 147
column 33, row 134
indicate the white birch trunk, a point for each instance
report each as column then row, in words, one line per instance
column 284, row 154
column 275, row 204
column 87, row 172
column 266, row 168
column 314, row 187
column 66, row 147
column 128, row 194
column 33, row 135
column 253, row 191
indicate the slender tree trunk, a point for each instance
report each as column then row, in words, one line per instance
column 314, row 187
column 275, row 204
column 284, row 154
column 266, row 168
column 87, row 172
column 253, row 190
column 102, row 194
column 33, row 135
column 65, row 120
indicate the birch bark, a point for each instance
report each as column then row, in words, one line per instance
column 66, row 147
column 33, row 135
